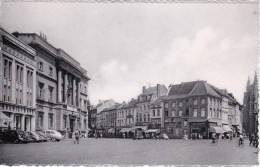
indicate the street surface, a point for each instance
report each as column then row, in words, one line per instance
column 128, row 151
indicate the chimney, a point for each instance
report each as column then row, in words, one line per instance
column 158, row 90
column 144, row 88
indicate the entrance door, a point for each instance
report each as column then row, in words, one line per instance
column 17, row 122
column 27, row 124
column 72, row 122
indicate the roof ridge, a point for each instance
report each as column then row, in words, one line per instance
column 193, row 88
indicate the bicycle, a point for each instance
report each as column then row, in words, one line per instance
column 214, row 143
column 240, row 144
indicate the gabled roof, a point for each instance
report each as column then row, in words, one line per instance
column 193, row 88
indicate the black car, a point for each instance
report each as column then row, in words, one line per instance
column 41, row 134
column 14, row 136
column 29, row 138
column 36, row 137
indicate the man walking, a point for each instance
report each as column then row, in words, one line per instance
column 76, row 137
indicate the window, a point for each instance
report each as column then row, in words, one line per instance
column 50, row 93
column 180, row 113
column 166, row 105
column 185, row 123
column 51, row 71
column 173, row 113
column 202, row 110
column 65, row 122
column 166, row 113
column 154, row 113
column 50, row 120
column 180, row 103
column 158, row 112
column 202, row 101
column 148, row 118
column 195, row 101
column 40, row 120
column 40, row 66
column 195, row 112
column 173, row 104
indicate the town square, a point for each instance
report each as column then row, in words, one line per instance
column 129, row 83
column 130, row 152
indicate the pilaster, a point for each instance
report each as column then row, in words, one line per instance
column 24, row 98
column 34, row 90
column 74, row 92
column 33, row 123
column 22, row 121
column 65, row 88
column 59, row 85
column 13, row 84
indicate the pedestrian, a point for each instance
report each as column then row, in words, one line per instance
column 251, row 139
column 256, row 140
column 76, row 134
column 213, row 137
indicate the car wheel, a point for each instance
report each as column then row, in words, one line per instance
column 53, row 139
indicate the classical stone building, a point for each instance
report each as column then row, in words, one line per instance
column 61, row 87
column 251, row 106
column 17, row 83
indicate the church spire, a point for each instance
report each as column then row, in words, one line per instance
column 255, row 79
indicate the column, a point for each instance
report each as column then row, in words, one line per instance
column 13, row 84
column 59, row 85
column 24, row 86
column 45, row 119
column 33, row 123
column 12, row 118
column 78, row 92
column 65, row 88
column 1, row 71
column 22, row 121
column 74, row 93
column 34, row 89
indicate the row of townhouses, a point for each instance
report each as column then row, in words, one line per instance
column 194, row 108
column 41, row 86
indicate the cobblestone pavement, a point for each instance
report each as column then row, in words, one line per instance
column 128, row 151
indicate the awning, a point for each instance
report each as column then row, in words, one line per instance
column 144, row 128
column 4, row 118
column 152, row 131
column 125, row 130
column 111, row 130
column 216, row 129
column 226, row 128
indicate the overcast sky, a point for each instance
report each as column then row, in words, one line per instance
column 126, row 46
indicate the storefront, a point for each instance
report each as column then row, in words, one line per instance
column 198, row 130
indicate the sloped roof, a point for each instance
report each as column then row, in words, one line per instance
column 148, row 91
column 158, row 100
column 186, row 89
column 182, row 89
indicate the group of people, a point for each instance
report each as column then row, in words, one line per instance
column 253, row 140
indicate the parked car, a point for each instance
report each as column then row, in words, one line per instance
column 164, row 136
column 41, row 134
column 28, row 137
column 36, row 137
column 14, row 136
column 53, row 135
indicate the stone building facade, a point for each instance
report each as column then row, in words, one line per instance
column 17, row 82
column 61, row 87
